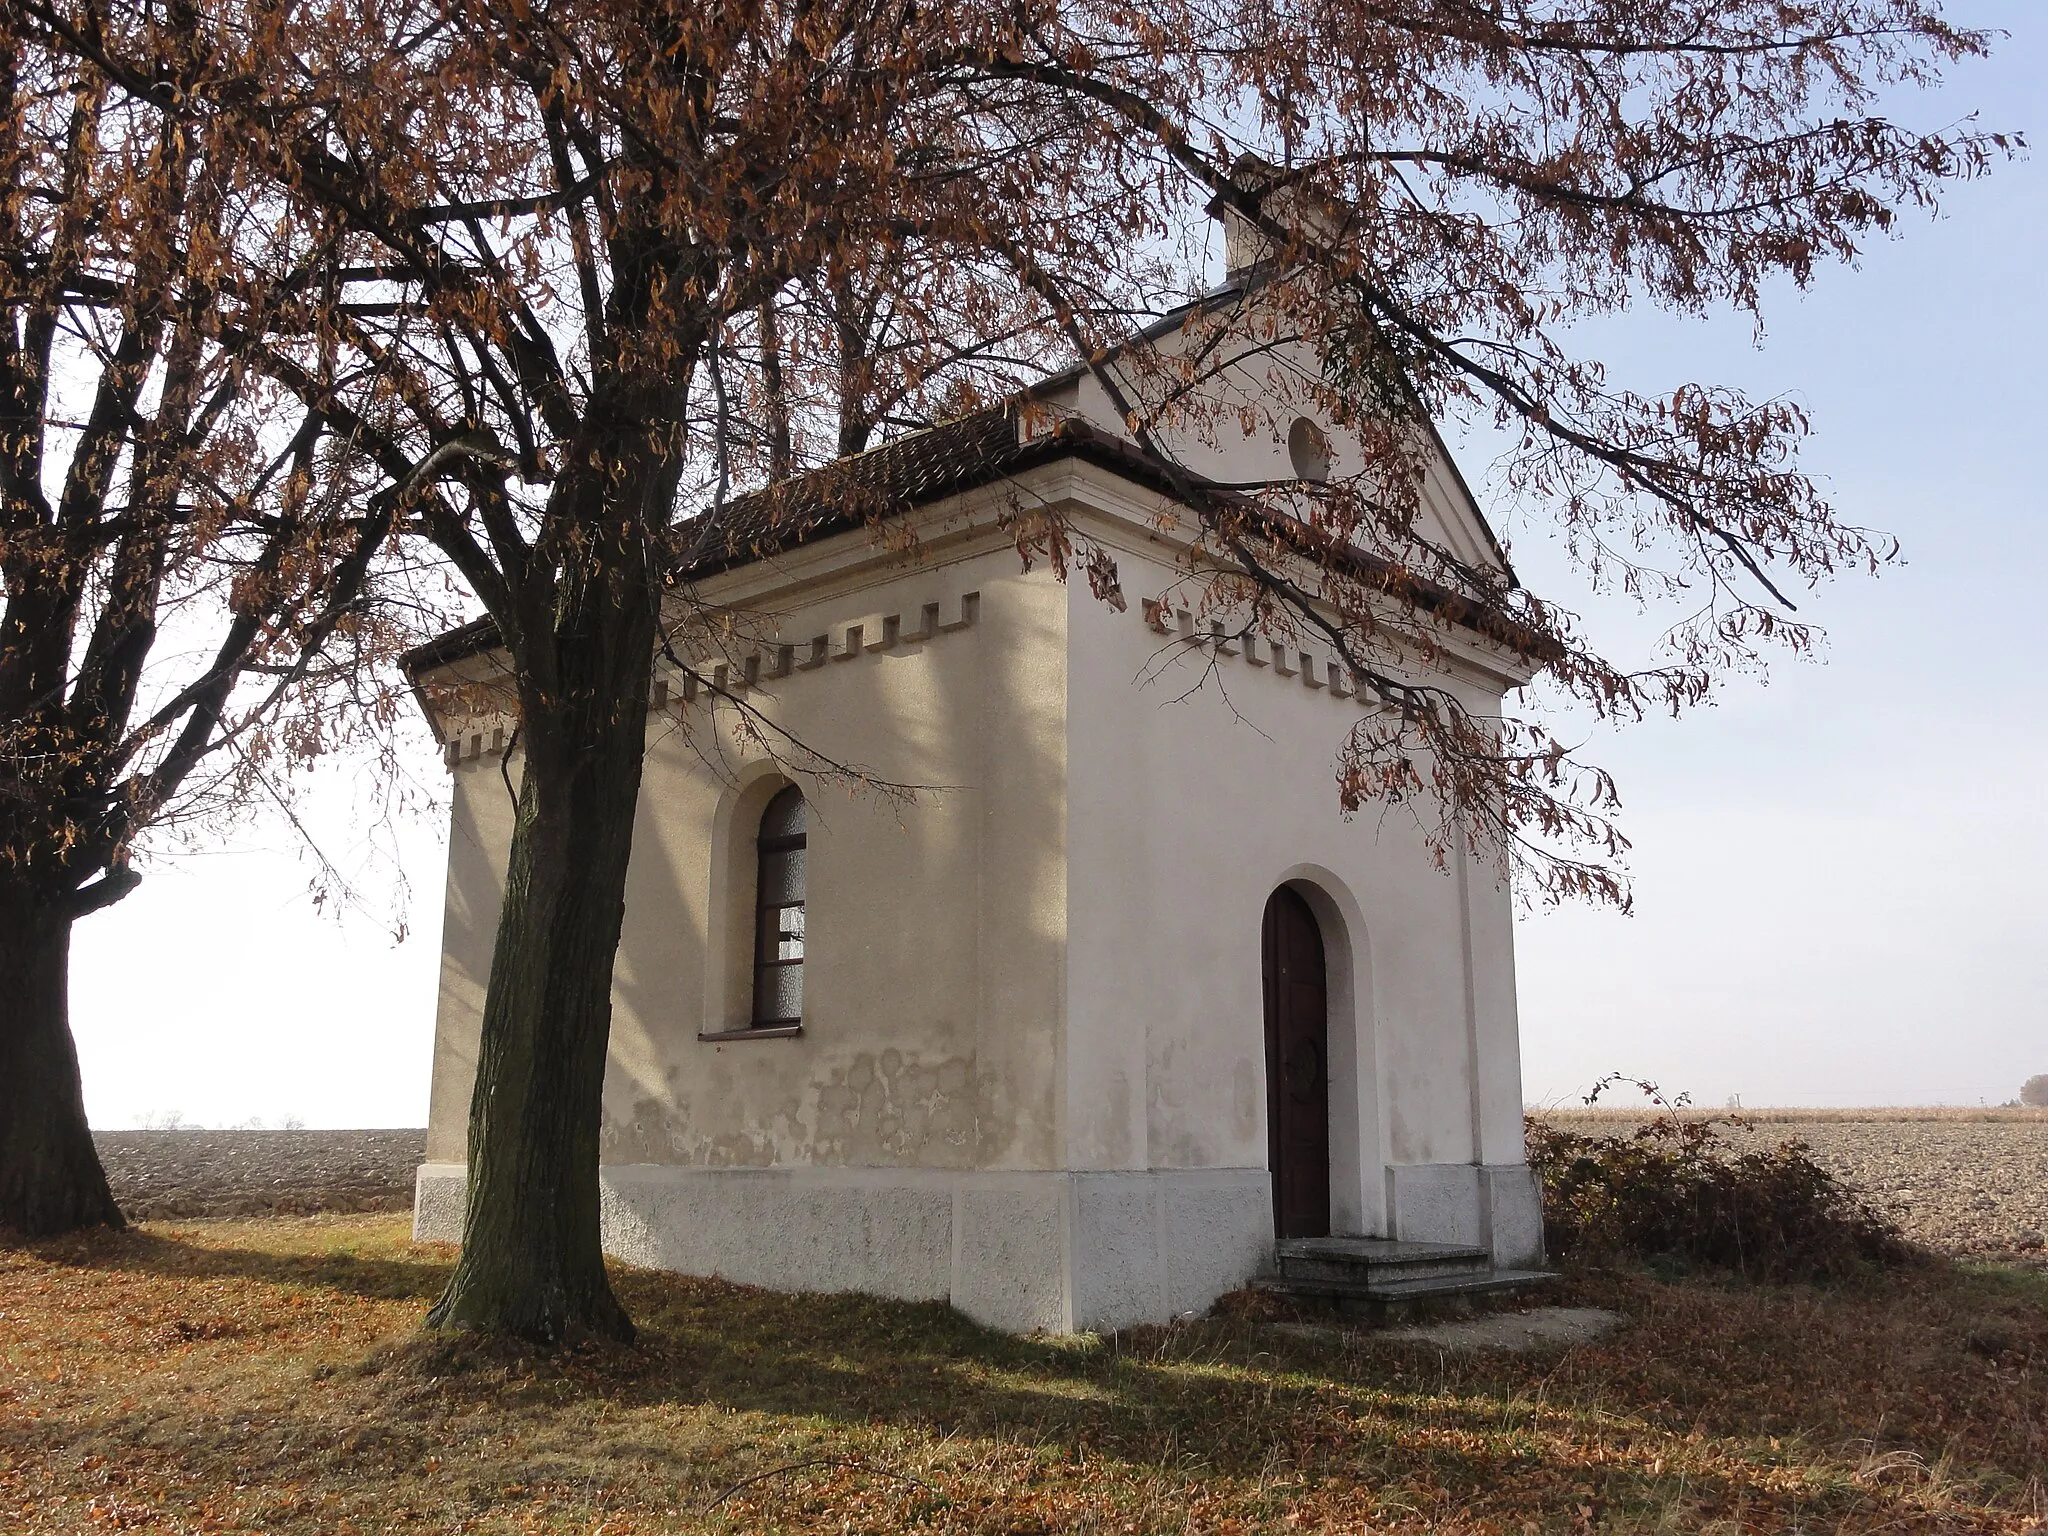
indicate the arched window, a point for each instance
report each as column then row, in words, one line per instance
column 779, row 912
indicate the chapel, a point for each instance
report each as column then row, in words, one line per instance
column 1082, row 994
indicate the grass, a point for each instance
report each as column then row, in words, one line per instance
column 262, row 1376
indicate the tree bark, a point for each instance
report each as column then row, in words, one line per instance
column 51, row 1180
column 532, row 1264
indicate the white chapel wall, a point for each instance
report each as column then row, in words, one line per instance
column 925, row 1044
column 903, row 1060
column 479, row 840
column 1197, row 785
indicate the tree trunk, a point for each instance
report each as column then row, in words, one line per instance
column 531, row 1263
column 50, row 1175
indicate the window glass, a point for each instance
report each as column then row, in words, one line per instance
column 779, row 912
column 782, row 933
column 780, row 996
column 785, row 815
column 782, row 875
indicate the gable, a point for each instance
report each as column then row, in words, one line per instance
column 1241, row 408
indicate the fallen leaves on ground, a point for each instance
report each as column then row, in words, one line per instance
column 266, row 1376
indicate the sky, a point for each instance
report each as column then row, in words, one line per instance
column 1838, row 874
column 1838, row 871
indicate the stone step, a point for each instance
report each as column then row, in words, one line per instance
column 1395, row 1297
column 1370, row 1260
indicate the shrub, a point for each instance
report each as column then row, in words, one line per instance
column 1672, row 1189
column 2034, row 1091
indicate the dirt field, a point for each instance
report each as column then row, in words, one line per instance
column 1959, row 1181
column 159, row 1174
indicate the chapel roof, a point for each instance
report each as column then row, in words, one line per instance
column 894, row 477
column 908, row 472
column 975, row 450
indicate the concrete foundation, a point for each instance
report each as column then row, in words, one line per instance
column 1498, row 1208
column 1051, row 1251
column 1514, row 1215
column 1025, row 1251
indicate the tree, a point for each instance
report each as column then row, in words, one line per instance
column 572, row 229
column 2034, row 1092
column 148, row 489
column 881, row 341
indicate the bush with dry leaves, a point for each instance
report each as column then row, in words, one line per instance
column 1672, row 1189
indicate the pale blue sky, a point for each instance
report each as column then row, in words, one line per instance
column 1838, row 875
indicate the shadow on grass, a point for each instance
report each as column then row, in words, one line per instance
column 418, row 1276
column 1220, row 1408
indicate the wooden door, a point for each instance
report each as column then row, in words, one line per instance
column 1297, row 1068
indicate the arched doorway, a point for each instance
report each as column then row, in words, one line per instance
column 1297, row 1067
